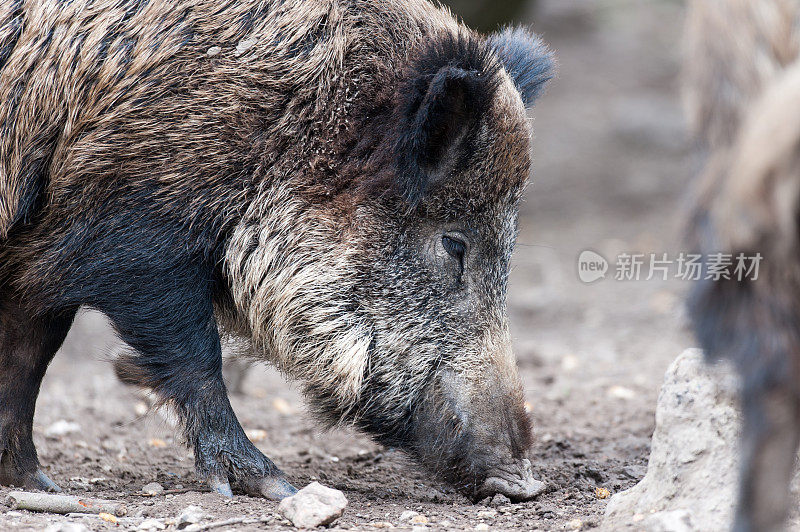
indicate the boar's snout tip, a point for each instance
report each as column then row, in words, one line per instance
column 515, row 481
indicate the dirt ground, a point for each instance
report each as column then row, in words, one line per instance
column 611, row 175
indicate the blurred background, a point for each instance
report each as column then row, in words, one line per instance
column 610, row 174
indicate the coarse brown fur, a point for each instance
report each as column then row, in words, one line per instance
column 283, row 170
column 743, row 88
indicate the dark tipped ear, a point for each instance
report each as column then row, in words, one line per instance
column 527, row 60
column 437, row 117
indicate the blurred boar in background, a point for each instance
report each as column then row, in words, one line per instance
column 338, row 182
column 743, row 91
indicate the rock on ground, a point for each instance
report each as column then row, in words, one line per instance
column 313, row 506
column 692, row 475
column 66, row 527
column 151, row 525
column 62, row 427
column 191, row 515
column 152, row 489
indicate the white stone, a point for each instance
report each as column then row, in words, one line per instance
column 154, row 488
column 214, row 50
column 692, row 474
column 150, row 525
column 66, row 527
column 408, row 515
column 62, row 427
column 191, row 515
column 313, row 506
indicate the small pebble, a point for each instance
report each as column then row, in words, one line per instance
column 108, row 518
column 575, row 524
column 419, row 520
column 408, row 515
column 66, row 527
column 214, row 50
column 150, row 525
column 61, row 427
column 190, row 515
column 313, row 506
column 487, row 514
column 500, row 500
column 620, row 392
column 481, row 526
column 79, row 482
column 154, row 488
column 602, row 493
column 282, row 406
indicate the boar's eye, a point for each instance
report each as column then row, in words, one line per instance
column 455, row 248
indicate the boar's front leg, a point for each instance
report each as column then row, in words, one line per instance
column 178, row 355
column 27, row 345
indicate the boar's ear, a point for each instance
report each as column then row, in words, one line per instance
column 438, row 113
column 527, row 60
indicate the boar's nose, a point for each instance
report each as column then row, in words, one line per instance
column 514, row 480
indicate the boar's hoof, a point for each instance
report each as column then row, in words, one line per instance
column 42, row 482
column 34, row 481
column 515, row 481
column 223, row 487
column 275, row 488
column 230, row 458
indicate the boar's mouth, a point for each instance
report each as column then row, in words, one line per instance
column 514, row 480
column 478, row 446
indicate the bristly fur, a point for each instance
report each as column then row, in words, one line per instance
column 742, row 88
column 526, row 58
column 283, row 171
column 450, row 84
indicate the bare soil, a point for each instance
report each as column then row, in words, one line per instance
column 611, row 175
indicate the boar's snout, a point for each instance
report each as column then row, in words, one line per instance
column 482, row 446
column 514, row 480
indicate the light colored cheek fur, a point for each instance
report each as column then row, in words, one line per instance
column 292, row 282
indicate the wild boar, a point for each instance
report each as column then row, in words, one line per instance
column 336, row 181
column 743, row 88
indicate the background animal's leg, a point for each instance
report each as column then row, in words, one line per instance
column 178, row 355
column 27, row 345
column 769, row 446
column 235, row 370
